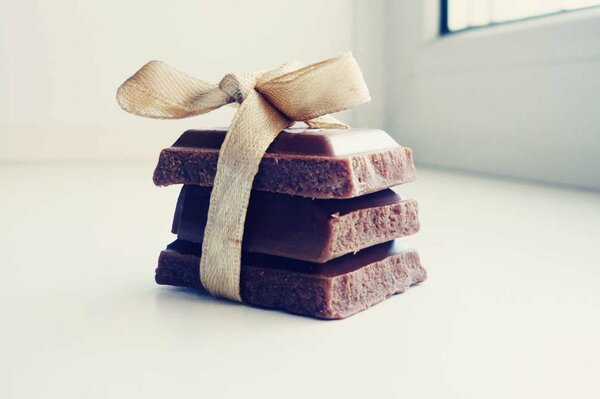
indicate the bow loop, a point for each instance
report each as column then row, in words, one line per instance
column 317, row 89
column 160, row 91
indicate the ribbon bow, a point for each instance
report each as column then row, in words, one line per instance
column 269, row 102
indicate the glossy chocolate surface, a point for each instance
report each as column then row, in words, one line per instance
column 308, row 142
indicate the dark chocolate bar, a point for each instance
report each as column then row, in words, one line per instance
column 319, row 163
column 333, row 290
column 301, row 228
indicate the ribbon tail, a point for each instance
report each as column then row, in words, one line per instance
column 253, row 129
column 326, row 122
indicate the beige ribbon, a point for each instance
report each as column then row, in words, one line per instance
column 269, row 102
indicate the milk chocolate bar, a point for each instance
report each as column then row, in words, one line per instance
column 319, row 163
column 333, row 290
column 301, row 228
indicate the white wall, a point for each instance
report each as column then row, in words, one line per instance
column 61, row 62
column 519, row 100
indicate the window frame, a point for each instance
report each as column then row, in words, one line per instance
column 444, row 28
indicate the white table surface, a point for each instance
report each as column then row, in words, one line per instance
column 510, row 310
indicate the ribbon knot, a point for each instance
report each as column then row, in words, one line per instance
column 238, row 86
column 269, row 102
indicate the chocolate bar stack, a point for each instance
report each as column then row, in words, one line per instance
column 322, row 227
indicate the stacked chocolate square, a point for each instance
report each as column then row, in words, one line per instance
column 321, row 231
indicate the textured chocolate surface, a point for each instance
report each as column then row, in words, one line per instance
column 334, row 290
column 309, row 163
column 301, row 228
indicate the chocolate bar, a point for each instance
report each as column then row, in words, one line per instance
column 333, row 290
column 296, row 227
column 319, row 163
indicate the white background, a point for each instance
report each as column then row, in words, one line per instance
column 511, row 305
column 509, row 309
column 63, row 60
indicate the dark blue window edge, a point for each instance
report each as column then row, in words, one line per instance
column 445, row 30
